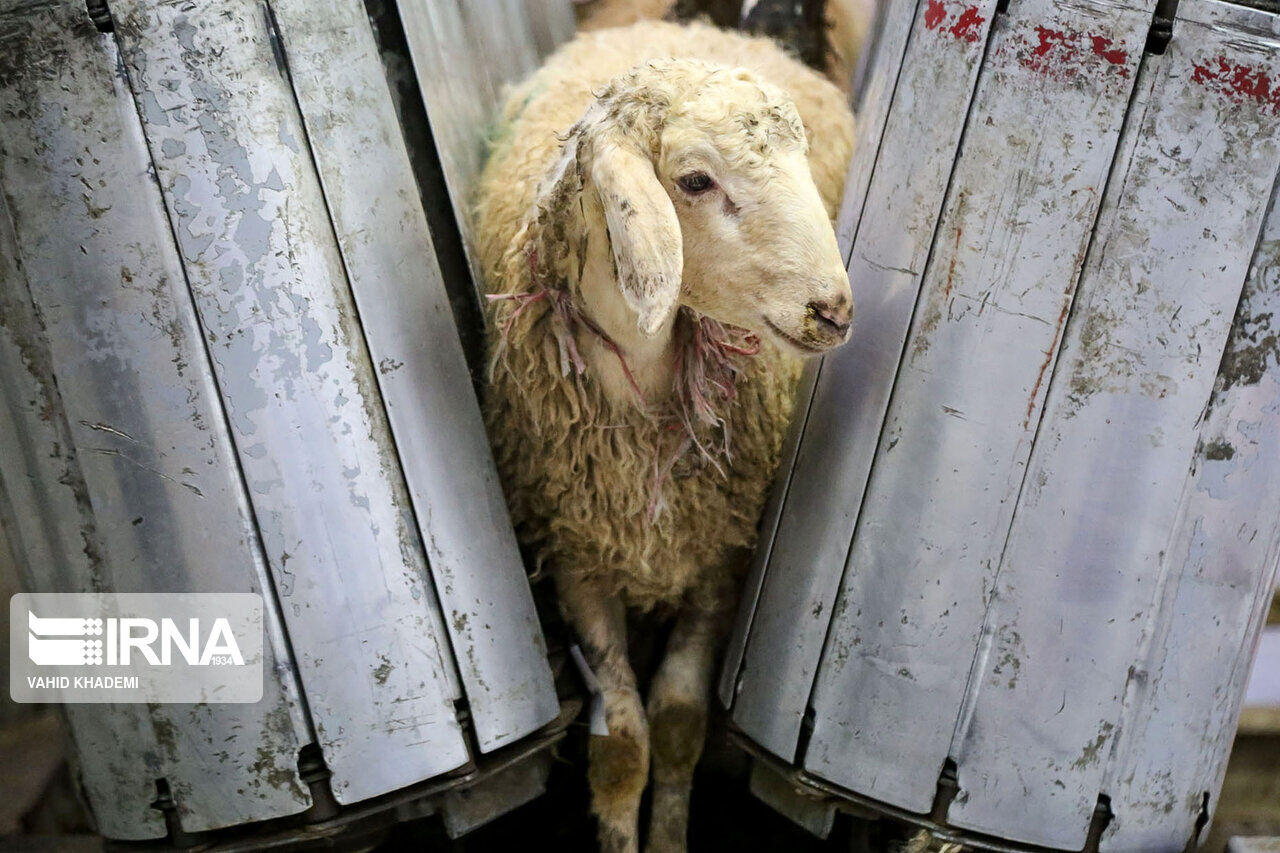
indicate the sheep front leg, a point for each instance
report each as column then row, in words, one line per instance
column 618, row 764
column 678, row 703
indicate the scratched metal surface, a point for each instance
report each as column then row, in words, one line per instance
column 44, row 508
column 404, row 311
column 965, row 402
column 873, row 107
column 1095, row 532
column 873, row 112
column 117, row 464
column 299, row 389
column 1097, row 640
column 463, row 54
column 1179, row 718
column 891, row 236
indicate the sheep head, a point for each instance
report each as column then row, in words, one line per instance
column 700, row 174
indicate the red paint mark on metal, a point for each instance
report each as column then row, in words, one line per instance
column 1060, row 54
column 969, row 25
column 1238, row 82
column 1114, row 55
column 1048, row 39
column 934, row 14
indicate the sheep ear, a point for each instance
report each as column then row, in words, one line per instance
column 648, row 251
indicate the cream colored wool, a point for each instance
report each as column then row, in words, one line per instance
column 578, row 465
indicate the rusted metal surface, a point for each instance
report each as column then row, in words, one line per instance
column 464, row 53
column 299, row 389
column 404, row 311
column 1069, row 530
column 903, row 183
column 118, row 469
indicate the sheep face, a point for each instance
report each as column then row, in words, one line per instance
column 733, row 226
column 758, row 249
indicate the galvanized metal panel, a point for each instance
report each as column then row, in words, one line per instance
column 903, row 198
column 552, row 24
column 1184, row 697
column 299, row 388
column 128, row 438
column 404, row 311
column 889, row 45
column 872, row 115
column 731, row 685
column 463, row 54
column 967, row 397
column 46, row 515
column 461, row 97
column 503, row 31
column 1090, row 551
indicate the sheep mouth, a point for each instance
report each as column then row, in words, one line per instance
column 808, row 349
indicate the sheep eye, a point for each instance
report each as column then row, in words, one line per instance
column 698, row 182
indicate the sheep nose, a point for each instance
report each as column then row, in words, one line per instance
column 833, row 317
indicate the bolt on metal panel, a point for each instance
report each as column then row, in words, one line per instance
column 404, row 311
column 118, row 469
column 464, row 53
column 921, row 118
column 296, row 380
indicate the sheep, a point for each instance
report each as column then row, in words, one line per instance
column 654, row 227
